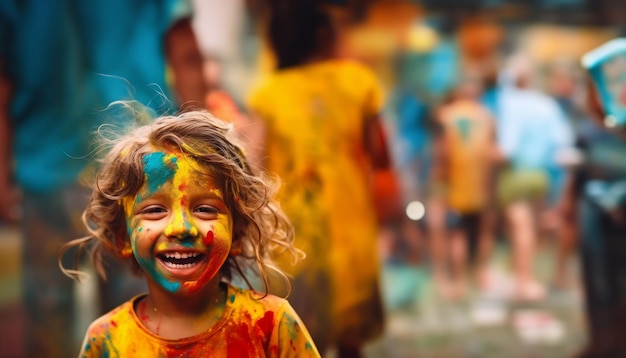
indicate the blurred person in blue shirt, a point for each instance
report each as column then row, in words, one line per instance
column 61, row 64
column 532, row 130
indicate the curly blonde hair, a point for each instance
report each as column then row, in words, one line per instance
column 258, row 221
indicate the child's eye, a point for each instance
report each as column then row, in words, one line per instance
column 206, row 209
column 153, row 210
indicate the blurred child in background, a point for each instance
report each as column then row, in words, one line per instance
column 464, row 168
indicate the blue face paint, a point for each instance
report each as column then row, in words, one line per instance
column 158, row 169
column 152, row 272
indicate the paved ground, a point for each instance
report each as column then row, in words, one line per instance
column 420, row 324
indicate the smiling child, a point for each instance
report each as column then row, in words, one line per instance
column 178, row 200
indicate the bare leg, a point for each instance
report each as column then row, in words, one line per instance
column 413, row 237
column 567, row 234
column 458, row 258
column 566, row 245
column 486, row 242
column 523, row 235
column 435, row 216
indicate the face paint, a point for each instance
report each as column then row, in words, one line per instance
column 179, row 225
column 158, row 168
column 209, row 238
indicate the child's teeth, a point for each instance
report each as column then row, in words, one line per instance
column 179, row 266
column 178, row 255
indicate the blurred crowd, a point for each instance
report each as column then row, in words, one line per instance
column 405, row 133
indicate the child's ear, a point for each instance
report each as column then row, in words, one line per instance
column 124, row 246
column 126, row 250
column 236, row 248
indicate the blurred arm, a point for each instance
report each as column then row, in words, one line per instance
column 497, row 156
column 439, row 170
column 509, row 128
column 8, row 197
column 564, row 133
column 376, row 143
column 185, row 60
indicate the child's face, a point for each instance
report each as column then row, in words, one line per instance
column 179, row 226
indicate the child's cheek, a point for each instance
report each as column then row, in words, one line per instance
column 134, row 227
column 143, row 240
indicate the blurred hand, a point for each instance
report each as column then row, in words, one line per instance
column 10, row 208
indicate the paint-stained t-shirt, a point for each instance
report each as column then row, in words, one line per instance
column 250, row 327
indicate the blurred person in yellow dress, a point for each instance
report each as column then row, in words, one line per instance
column 317, row 125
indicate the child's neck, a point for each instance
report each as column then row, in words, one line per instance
column 319, row 58
column 176, row 317
column 331, row 52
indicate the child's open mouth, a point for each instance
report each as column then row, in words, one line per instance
column 181, row 260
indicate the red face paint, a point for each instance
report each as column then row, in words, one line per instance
column 183, row 199
column 209, row 238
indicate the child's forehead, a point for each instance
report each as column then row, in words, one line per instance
column 174, row 170
column 169, row 161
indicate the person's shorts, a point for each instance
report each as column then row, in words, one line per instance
column 521, row 185
column 470, row 224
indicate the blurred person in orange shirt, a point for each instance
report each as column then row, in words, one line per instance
column 464, row 167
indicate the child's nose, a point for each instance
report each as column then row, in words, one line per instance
column 181, row 227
